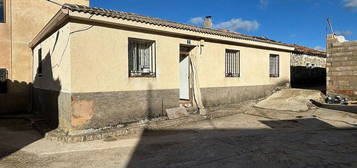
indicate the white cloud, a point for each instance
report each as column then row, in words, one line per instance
column 263, row 4
column 238, row 24
column 350, row 3
column 197, row 20
column 344, row 33
column 320, row 48
column 292, row 35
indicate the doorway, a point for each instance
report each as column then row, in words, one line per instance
column 184, row 61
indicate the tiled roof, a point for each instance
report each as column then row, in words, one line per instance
column 310, row 51
column 164, row 23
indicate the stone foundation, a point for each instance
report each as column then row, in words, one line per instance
column 231, row 95
column 111, row 108
column 73, row 112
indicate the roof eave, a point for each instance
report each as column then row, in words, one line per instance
column 59, row 19
column 74, row 15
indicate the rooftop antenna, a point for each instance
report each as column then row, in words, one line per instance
column 54, row 2
column 330, row 25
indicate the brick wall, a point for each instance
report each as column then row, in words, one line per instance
column 341, row 67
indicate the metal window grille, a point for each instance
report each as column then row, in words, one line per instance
column 39, row 58
column 274, row 65
column 141, row 58
column 2, row 11
column 3, row 80
column 232, row 63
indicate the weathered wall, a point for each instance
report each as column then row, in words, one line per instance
column 51, row 90
column 102, row 94
column 100, row 82
column 341, row 67
column 303, row 75
column 304, row 59
column 24, row 19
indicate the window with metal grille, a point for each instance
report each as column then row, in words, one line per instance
column 232, row 63
column 274, row 65
column 3, row 80
column 141, row 58
column 39, row 58
column 2, row 11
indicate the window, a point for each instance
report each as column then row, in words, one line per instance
column 3, row 80
column 2, row 11
column 141, row 58
column 232, row 63
column 39, row 68
column 274, row 65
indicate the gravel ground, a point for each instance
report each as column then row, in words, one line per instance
column 255, row 138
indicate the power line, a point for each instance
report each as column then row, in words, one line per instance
column 56, row 3
column 330, row 25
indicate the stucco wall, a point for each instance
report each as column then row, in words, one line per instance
column 95, row 72
column 56, row 62
column 51, row 90
column 103, row 65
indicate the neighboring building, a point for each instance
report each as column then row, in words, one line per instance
column 341, row 67
column 308, row 67
column 20, row 21
column 95, row 68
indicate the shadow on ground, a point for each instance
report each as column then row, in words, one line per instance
column 18, row 131
column 345, row 108
column 15, row 134
column 284, row 145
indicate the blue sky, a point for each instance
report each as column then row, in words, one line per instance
column 301, row 22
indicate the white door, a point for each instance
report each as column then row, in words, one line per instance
column 184, row 81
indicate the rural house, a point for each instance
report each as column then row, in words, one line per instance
column 94, row 67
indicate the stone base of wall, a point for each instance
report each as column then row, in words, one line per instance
column 112, row 108
column 230, row 95
column 54, row 106
column 73, row 112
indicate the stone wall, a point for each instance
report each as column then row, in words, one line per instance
column 308, row 70
column 341, row 67
column 304, row 60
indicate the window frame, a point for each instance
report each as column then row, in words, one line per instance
column 3, row 12
column 152, row 72
column 277, row 66
column 39, row 61
column 232, row 70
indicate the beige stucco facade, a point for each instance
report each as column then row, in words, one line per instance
column 85, row 69
column 24, row 19
column 107, row 58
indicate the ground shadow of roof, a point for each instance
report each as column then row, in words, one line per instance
column 280, row 146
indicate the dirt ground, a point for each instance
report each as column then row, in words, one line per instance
column 254, row 138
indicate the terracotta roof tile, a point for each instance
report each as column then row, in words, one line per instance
column 310, row 51
column 165, row 23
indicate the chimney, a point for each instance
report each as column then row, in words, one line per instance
column 207, row 23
